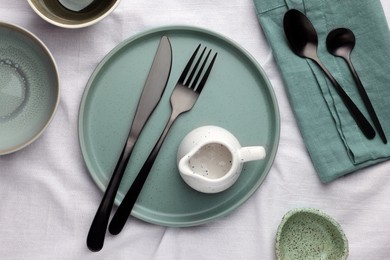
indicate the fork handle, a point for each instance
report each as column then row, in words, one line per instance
column 123, row 212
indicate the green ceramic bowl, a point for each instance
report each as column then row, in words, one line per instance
column 310, row 234
column 55, row 13
column 29, row 88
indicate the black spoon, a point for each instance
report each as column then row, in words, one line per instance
column 340, row 42
column 303, row 41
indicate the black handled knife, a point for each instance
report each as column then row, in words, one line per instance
column 150, row 97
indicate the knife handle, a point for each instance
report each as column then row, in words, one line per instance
column 123, row 212
column 97, row 231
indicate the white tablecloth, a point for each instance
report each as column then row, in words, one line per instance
column 48, row 198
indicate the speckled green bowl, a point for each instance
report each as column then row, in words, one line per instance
column 307, row 233
column 29, row 88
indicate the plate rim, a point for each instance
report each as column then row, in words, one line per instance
column 259, row 69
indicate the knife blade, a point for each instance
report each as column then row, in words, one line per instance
column 151, row 95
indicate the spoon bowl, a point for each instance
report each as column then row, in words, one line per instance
column 303, row 41
column 340, row 42
column 301, row 34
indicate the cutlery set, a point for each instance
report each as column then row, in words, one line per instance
column 183, row 98
column 303, row 41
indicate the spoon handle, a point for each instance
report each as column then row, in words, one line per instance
column 367, row 101
column 359, row 118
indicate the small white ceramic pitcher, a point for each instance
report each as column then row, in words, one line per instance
column 210, row 158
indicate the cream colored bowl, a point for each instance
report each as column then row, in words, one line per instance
column 55, row 13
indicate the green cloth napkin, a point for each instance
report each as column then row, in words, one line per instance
column 336, row 145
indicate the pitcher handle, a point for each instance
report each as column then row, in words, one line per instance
column 251, row 153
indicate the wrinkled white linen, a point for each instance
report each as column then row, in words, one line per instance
column 48, row 198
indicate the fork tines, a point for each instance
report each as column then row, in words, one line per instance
column 189, row 80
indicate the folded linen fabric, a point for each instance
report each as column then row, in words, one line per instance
column 335, row 143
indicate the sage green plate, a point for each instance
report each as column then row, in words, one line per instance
column 307, row 234
column 237, row 96
column 29, row 88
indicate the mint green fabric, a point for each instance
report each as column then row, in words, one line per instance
column 334, row 142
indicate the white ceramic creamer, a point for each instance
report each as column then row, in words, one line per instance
column 210, row 158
